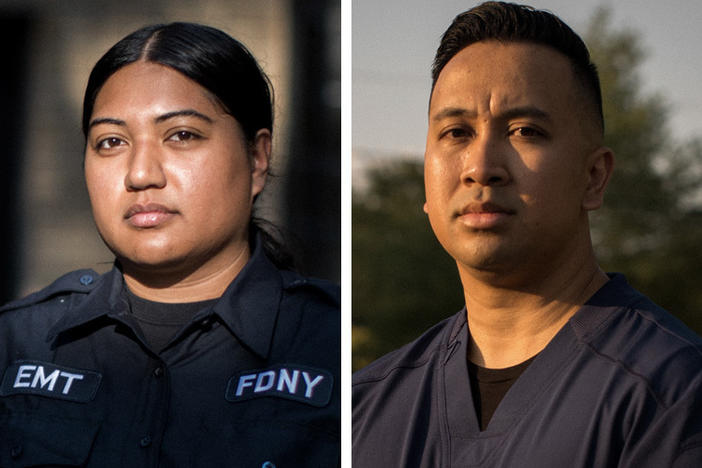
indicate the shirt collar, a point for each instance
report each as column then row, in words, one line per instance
column 104, row 300
column 613, row 295
column 248, row 307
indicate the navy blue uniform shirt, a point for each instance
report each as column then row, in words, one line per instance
column 620, row 385
column 251, row 382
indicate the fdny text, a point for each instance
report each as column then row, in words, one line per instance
column 294, row 382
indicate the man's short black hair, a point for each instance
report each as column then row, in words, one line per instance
column 509, row 22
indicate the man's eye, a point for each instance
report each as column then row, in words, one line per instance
column 457, row 132
column 526, row 132
column 109, row 143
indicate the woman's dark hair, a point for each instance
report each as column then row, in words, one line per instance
column 509, row 22
column 206, row 55
column 218, row 63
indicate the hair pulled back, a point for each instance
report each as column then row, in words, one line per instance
column 206, row 55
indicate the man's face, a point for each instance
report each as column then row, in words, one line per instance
column 509, row 156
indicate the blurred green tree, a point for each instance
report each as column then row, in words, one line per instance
column 403, row 280
column 649, row 226
column 649, row 229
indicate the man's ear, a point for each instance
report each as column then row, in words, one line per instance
column 260, row 160
column 600, row 165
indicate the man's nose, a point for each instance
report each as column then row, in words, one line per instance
column 484, row 162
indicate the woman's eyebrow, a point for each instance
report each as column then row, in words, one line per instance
column 106, row 120
column 159, row 119
column 180, row 113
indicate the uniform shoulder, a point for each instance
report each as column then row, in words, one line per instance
column 410, row 356
column 646, row 341
column 668, row 353
column 79, row 281
column 323, row 290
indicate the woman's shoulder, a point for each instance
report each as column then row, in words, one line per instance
column 323, row 291
column 78, row 282
column 311, row 307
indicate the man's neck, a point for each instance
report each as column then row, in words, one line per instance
column 509, row 325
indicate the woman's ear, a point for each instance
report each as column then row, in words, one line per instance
column 600, row 165
column 260, row 160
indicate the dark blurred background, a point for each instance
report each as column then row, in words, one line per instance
column 650, row 227
column 50, row 48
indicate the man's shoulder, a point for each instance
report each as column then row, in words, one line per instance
column 642, row 339
column 413, row 355
column 394, row 399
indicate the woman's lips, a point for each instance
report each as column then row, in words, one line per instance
column 146, row 216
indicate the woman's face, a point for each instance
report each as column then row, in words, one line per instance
column 171, row 177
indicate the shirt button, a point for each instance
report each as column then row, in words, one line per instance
column 158, row 372
column 16, row 451
column 85, row 280
column 145, row 441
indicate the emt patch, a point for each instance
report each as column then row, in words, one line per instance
column 290, row 381
column 50, row 380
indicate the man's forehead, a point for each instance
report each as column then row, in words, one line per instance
column 508, row 73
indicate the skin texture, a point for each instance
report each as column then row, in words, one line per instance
column 514, row 161
column 171, row 180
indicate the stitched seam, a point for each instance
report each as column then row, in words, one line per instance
column 629, row 371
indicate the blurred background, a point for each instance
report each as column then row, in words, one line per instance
column 50, row 48
column 651, row 225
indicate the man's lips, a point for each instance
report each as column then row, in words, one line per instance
column 149, row 215
column 485, row 215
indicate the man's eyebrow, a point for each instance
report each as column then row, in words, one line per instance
column 184, row 112
column 525, row 111
column 453, row 112
column 512, row 113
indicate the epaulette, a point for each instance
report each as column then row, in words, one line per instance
column 79, row 281
column 329, row 290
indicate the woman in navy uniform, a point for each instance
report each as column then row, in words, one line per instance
column 200, row 347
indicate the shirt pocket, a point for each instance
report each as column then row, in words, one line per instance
column 283, row 445
column 37, row 440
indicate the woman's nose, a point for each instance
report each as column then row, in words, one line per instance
column 145, row 168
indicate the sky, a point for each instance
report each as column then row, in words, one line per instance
column 394, row 42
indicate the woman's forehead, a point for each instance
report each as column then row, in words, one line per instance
column 148, row 85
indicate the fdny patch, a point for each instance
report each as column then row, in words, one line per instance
column 290, row 381
column 50, row 380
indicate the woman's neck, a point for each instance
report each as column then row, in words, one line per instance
column 205, row 282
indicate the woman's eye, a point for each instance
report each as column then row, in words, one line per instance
column 183, row 135
column 109, row 143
